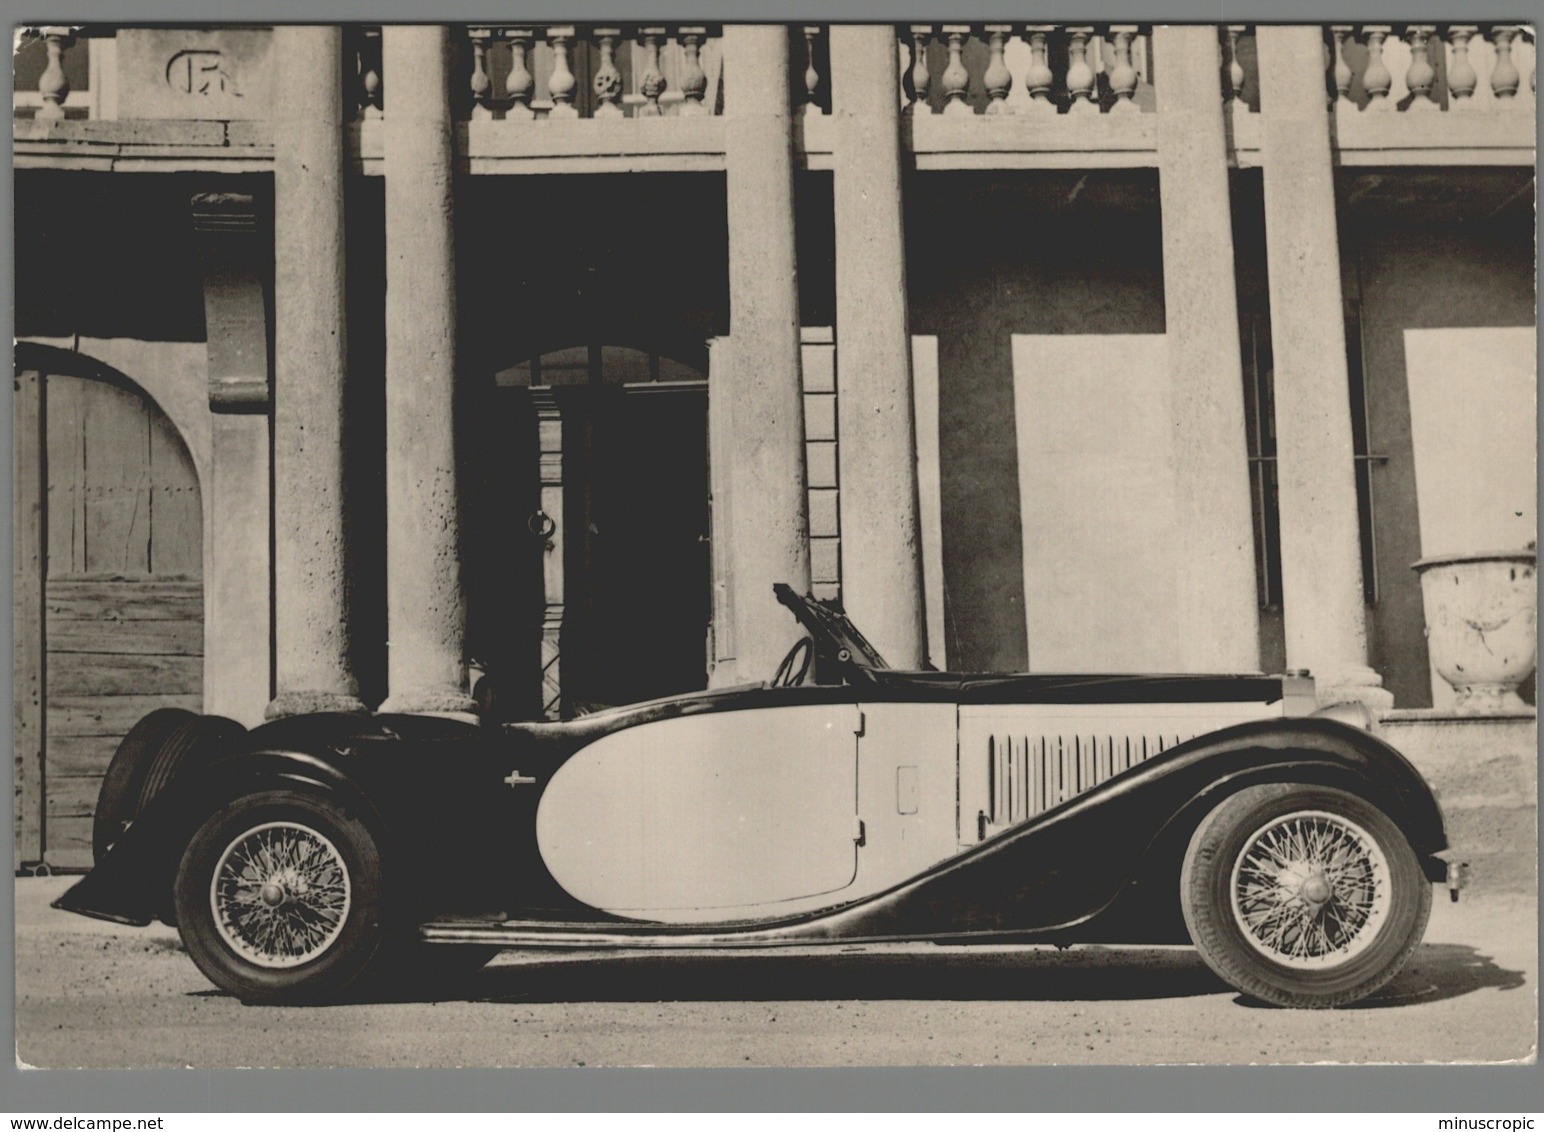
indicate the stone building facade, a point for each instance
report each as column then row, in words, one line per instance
column 356, row 362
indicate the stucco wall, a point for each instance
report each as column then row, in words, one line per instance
column 1102, row 562
column 1455, row 276
column 989, row 258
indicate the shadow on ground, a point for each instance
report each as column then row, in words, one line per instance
column 1010, row 976
column 1437, row 972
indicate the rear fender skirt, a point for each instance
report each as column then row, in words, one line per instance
column 132, row 884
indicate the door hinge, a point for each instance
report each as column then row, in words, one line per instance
column 862, row 727
column 980, row 825
column 861, row 838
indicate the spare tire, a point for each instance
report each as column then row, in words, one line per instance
column 118, row 797
column 147, row 761
column 203, row 738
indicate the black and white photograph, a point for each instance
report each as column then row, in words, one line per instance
column 774, row 544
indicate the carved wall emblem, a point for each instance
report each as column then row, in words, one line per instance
column 200, row 72
column 195, row 74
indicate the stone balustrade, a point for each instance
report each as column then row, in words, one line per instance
column 595, row 71
column 1240, row 76
column 53, row 87
column 574, row 71
column 1050, row 77
column 1418, row 68
column 46, row 102
column 363, row 45
column 1008, row 68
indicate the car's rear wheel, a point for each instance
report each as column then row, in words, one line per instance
column 279, row 897
column 1303, row 895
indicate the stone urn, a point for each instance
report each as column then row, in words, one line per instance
column 1480, row 625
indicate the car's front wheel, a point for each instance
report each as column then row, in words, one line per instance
column 1303, row 895
column 279, row 897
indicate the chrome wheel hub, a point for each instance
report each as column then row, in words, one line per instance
column 1310, row 889
column 280, row 895
column 1316, row 889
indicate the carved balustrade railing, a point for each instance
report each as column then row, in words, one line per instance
column 66, row 83
column 1416, row 68
column 1240, row 72
column 362, row 71
column 1011, row 68
column 948, row 71
column 553, row 72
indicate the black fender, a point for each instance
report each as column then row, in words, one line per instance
column 132, row 884
column 1146, row 908
column 1061, row 869
column 1324, row 752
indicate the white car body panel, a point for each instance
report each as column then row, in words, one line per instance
column 692, row 818
column 681, row 821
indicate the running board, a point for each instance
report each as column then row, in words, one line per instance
column 529, row 935
column 568, row 937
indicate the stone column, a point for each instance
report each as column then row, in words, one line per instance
column 238, row 678
column 881, row 540
column 1320, row 535
column 313, row 668
column 767, row 528
column 425, row 605
column 236, row 579
column 1218, row 603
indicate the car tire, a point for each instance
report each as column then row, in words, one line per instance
column 118, row 798
column 1303, row 896
column 279, row 898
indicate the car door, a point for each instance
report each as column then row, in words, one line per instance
column 722, row 815
column 906, row 791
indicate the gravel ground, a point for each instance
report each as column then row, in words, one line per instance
column 92, row 994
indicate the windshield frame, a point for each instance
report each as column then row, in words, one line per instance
column 834, row 633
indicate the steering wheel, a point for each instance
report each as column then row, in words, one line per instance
column 790, row 676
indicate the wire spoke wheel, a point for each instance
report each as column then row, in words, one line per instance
column 279, row 897
column 1310, row 889
column 280, row 894
column 1303, row 895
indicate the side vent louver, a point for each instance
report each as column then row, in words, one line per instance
column 1029, row 774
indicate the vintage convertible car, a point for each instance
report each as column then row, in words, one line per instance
column 842, row 802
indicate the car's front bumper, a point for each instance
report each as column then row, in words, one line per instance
column 1454, row 871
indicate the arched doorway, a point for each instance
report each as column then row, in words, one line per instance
column 108, row 598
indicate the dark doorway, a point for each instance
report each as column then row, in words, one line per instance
column 639, row 573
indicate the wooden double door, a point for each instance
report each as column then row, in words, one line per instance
column 108, row 597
